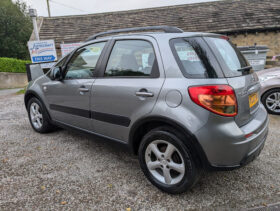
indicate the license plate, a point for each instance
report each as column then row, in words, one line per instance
column 253, row 99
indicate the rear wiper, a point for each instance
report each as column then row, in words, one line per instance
column 248, row 68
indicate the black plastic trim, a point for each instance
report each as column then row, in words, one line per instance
column 69, row 110
column 87, row 132
column 111, row 118
column 104, row 117
column 28, row 72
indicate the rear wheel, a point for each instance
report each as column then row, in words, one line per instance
column 271, row 101
column 167, row 162
column 38, row 116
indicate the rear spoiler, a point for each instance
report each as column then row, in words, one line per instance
column 36, row 70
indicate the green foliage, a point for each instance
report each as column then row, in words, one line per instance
column 22, row 91
column 15, row 29
column 13, row 65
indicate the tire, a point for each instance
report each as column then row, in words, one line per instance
column 270, row 99
column 44, row 124
column 178, row 181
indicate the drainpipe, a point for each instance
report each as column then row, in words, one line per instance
column 33, row 15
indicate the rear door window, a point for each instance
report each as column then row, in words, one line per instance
column 194, row 58
column 230, row 58
column 132, row 58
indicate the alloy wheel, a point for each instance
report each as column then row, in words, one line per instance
column 273, row 102
column 165, row 162
column 36, row 115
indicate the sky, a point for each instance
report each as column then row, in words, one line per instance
column 78, row 7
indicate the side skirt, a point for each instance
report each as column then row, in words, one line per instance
column 90, row 133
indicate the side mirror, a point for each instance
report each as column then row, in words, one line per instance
column 57, row 73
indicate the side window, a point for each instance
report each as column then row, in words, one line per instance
column 192, row 58
column 83, row 62
column 189, row 58
column 131, row 58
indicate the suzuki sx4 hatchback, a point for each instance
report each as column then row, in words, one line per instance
column 181, row 101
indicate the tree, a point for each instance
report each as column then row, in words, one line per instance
column 15, row 29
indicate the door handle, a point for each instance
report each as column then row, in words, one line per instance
column 144, row 94
column 82, row 89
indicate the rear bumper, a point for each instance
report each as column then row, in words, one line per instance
column 225, row 144
column 246, row 159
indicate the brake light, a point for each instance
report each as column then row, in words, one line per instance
column 224, row 37
column 219, row 99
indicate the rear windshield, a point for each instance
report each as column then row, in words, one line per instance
column 229, row 57
column 194, row 58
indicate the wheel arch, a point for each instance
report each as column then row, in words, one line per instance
column 142, row 126
column 28, row 95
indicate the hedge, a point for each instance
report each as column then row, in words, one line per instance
column 13, row 65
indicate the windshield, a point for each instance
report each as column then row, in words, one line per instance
column 228, row 55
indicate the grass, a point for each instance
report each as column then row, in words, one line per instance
column 22, row 91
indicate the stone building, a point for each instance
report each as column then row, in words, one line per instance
column 246, row 22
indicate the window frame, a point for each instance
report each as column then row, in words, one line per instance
column 155, row 71
column 61, row 60
column 212, row 59
column 98, row 63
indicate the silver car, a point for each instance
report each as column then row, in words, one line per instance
column 270, row 89
column 181, row 101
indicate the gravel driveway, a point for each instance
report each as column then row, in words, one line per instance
column 66, row 170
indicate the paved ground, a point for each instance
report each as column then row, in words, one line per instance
column 4, row 92
column 64, row 170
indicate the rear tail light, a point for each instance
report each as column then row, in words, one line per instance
column 219, row 99
column 224, row 37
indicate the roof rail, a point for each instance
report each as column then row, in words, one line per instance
column 166, row 29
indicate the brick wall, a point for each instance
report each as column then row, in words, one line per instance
column 271, row 39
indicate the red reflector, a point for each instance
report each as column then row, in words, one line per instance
column 248, row 135
column 219, row 99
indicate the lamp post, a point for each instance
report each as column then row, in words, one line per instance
column 48, row 5
column 33, row 15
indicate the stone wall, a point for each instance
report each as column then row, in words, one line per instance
column 271, row 39
column 12, row 80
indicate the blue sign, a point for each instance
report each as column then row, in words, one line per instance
column 48, row 58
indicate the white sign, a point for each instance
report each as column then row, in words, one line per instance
column 187, row 53
column 42, row 51
column 67, row 48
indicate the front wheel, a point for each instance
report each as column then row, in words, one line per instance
column 271, row 101
column 167, row 162
column 38, row 116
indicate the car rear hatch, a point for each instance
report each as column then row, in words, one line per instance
column 239, row 75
